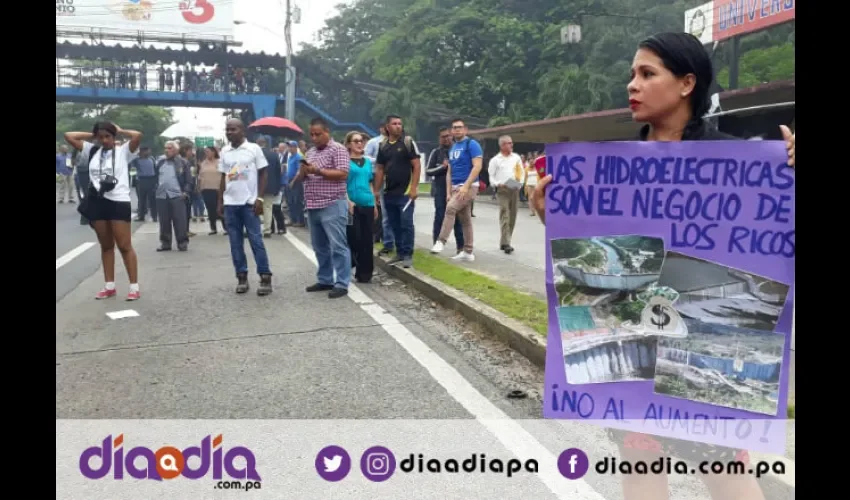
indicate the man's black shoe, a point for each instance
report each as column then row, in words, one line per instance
column 337, row 293
column 318, row 287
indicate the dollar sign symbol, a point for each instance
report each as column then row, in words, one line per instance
column 661, row 318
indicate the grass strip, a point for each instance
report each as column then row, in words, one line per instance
column 526, row 309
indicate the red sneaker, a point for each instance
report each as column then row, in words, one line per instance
column 105, row 294
column 134, row 296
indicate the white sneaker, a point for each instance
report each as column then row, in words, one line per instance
column 438, row 247
column 464, row 256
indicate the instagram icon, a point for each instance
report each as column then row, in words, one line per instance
column 377, row 463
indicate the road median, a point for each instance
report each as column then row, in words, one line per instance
column 517, row 319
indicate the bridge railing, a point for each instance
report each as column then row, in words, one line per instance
column 158, row 79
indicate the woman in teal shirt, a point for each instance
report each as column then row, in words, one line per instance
column 361, row 208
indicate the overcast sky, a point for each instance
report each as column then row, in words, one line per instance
column 263, row 31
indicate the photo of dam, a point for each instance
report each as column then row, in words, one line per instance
column 722, row 365
column 601, row 284
column 717, row 294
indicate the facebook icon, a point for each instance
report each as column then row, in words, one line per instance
column 573, row 463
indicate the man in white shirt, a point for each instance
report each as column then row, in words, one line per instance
column 506, row 175
column 243, row 176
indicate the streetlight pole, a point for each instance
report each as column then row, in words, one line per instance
column 290, row 71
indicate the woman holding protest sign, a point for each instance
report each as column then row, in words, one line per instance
column 669, row 92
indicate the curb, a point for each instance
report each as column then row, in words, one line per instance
column 519, row 337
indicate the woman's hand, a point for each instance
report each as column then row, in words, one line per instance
column 790, row 143
column 351, row 207
column 538, row 198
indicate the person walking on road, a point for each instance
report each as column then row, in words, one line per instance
column 173, row 188
column 65, row 170
column 437, row 168
column 397, row 177
column 325, row 175
column 361, row 207
column 107, row 202
column 271, row 196
column 243, row 177
column 209, row 179
column 506, row 176
column 465, row 161
column 145, row 184
column 669, row 92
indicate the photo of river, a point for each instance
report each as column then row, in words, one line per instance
column 602, row 284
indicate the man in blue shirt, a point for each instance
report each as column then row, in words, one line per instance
column 146, row 180
column 465, row 161
column 371, row 152
column 64, row 168
column 295, row 189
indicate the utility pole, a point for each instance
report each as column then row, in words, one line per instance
column 290, row 71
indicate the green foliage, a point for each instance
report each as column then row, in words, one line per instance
column 503, row 59
column 149, row 120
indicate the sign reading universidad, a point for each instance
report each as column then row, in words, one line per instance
column 670, row 281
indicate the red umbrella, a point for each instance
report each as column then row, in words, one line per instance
column 272, row 125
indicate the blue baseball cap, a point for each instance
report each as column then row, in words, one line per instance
column 293, row 143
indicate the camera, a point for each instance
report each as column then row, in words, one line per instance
column 107, row 184
column 378, row 464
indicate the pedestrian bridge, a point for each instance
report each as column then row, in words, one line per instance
column 606, row 281
column 262, row 105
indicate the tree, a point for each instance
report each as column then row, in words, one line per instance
column 149, row 120
column 503, row 59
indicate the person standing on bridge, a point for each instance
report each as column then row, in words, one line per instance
column 669, row 92
column 107, row 202
column 243, row 179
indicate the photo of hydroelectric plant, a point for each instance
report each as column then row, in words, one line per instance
column 600, row 283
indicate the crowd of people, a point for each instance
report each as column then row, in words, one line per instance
column 346, row 188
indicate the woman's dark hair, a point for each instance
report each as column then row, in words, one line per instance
column 683, row 54
column 214, row 151
column 107, row 126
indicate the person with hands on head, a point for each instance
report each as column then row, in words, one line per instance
column 669, row 92
column 325, row 175
column 243, row 179
column 107, row 201
column 465, row 161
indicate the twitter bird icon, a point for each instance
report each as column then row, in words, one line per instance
column 333, row 463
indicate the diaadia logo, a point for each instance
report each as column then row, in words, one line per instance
column 169, row 462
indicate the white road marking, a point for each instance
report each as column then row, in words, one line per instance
column 512, row 435
column 73, row 254
column 126, row 313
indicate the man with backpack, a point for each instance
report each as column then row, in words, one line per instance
column 462, row 183
column 173, row 189
column 398, row 164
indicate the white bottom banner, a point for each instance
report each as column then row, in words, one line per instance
column 398, row 459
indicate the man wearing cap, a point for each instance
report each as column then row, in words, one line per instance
column 294, row 188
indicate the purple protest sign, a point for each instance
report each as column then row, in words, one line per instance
column 670, row 281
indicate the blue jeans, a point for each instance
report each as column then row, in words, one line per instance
column 401, row 222
column 295, row 200
column 330, row 243
column 237, row 217
column 387, row 230
column 438, row 191
column 197, row 205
